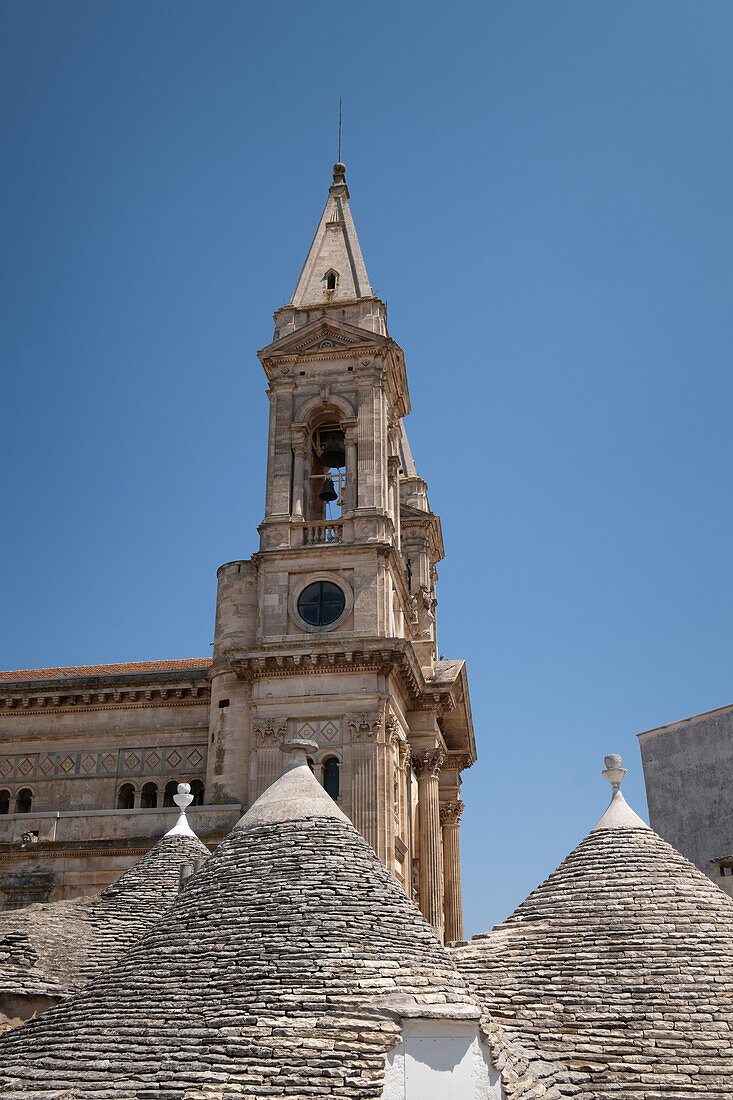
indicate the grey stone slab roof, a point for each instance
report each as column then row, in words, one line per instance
column 53, row 949
column 268, row 977
column 614, row 978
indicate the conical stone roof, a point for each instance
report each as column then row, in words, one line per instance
column 266, row 978
column 615, row 977
column 52, row 949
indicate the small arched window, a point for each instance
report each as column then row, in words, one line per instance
column 149, row 797
column 331, row 777
column 170, row 789
column 331, row 277
column 126, row 797
column 4, row 802
column 197, row 790
column 23, row 801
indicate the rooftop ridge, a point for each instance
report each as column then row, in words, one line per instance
column 12, row 675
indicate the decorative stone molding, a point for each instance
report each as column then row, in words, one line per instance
column 269, row 732
column 117, row 698
column 91, row 764
column 450, row 812
column 458, row 761
column 365, row 727
column 428, row 763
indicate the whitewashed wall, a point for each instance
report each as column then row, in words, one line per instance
column 440, row 1060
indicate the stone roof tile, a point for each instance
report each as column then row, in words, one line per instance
column 264, row 979
column 617, row 973
column 52, row 949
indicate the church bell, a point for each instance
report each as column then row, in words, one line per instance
column 327, row 492
column 333, row 450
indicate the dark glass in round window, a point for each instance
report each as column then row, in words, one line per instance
column 321, row 603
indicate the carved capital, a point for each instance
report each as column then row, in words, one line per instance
column 365, row 727
column 427, row 763
column 450, row 812
column 269, row 732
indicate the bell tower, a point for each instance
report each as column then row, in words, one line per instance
column 329, row 631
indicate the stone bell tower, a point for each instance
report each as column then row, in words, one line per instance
column 329, row 632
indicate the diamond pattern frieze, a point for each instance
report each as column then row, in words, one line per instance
column 153, row 760
column 47, row 765
column 109, row 762
column 329, row 731
column 195, row 759
column 173, row 759
column 88, row 763
column 6, row 766
column 132, row 761
column 67, row 764
column 26, row 766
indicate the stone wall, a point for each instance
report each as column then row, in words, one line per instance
column 687, row 769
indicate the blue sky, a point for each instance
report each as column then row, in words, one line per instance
column 542, row 194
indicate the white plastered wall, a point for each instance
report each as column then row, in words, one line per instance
column 441, row 1060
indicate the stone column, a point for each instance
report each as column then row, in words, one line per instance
column 450, row 817
column 393, row 463
column 427, row 764
column 368, row 789
column 351, row 464
column 299, row 446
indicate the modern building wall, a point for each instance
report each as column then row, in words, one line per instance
column 688, row 770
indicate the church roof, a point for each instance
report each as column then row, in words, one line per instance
column 268, row 977
column 615, row 977
column 335, row 251
column 129, row 667
column 54, row 948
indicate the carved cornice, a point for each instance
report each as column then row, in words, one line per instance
column 269, row 732
column 427, row 763
column 458, row 761
column 450, row 812
column 365, row 726
column 51, row 698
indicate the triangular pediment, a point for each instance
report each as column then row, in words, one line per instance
column 323, row 335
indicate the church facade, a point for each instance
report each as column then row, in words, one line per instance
column 328, row 633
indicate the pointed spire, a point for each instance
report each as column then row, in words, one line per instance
column 296, row 795
column 334, row 270
column 619, row 814
column 183, row 799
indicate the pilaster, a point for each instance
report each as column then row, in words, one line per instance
column 450, row 817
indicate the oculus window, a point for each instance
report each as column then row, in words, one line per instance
column 321, row 603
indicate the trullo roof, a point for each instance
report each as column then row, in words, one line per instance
column 51, row 949
column 615, row 977
column 263, row 980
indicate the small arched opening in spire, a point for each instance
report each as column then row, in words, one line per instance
column 149, row 797
column 332, row 777
column 24, row 801
column 330, row 279
column 126, row 797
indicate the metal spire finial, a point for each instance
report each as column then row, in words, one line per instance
column 339, row 157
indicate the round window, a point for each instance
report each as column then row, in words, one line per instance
column 321, row 603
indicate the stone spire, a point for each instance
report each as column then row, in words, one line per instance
column 619, row 814
column 334, row 270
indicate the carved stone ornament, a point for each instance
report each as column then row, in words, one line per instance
column 450, row 812
column 269, row 732
column 458, row 761
column 393, row 731
column 365, row 727
column 427, row 763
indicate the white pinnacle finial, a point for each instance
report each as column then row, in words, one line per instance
column 183, row 799
column 614, row 773
column 619, row 814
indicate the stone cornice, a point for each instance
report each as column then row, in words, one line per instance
column 105, row 693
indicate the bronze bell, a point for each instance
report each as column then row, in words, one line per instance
column 333, row 454
column 327, row 492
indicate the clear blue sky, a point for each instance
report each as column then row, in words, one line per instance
column 543, row 195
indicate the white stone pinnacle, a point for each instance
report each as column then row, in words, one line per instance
column 183, row 799
column 619, row 814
